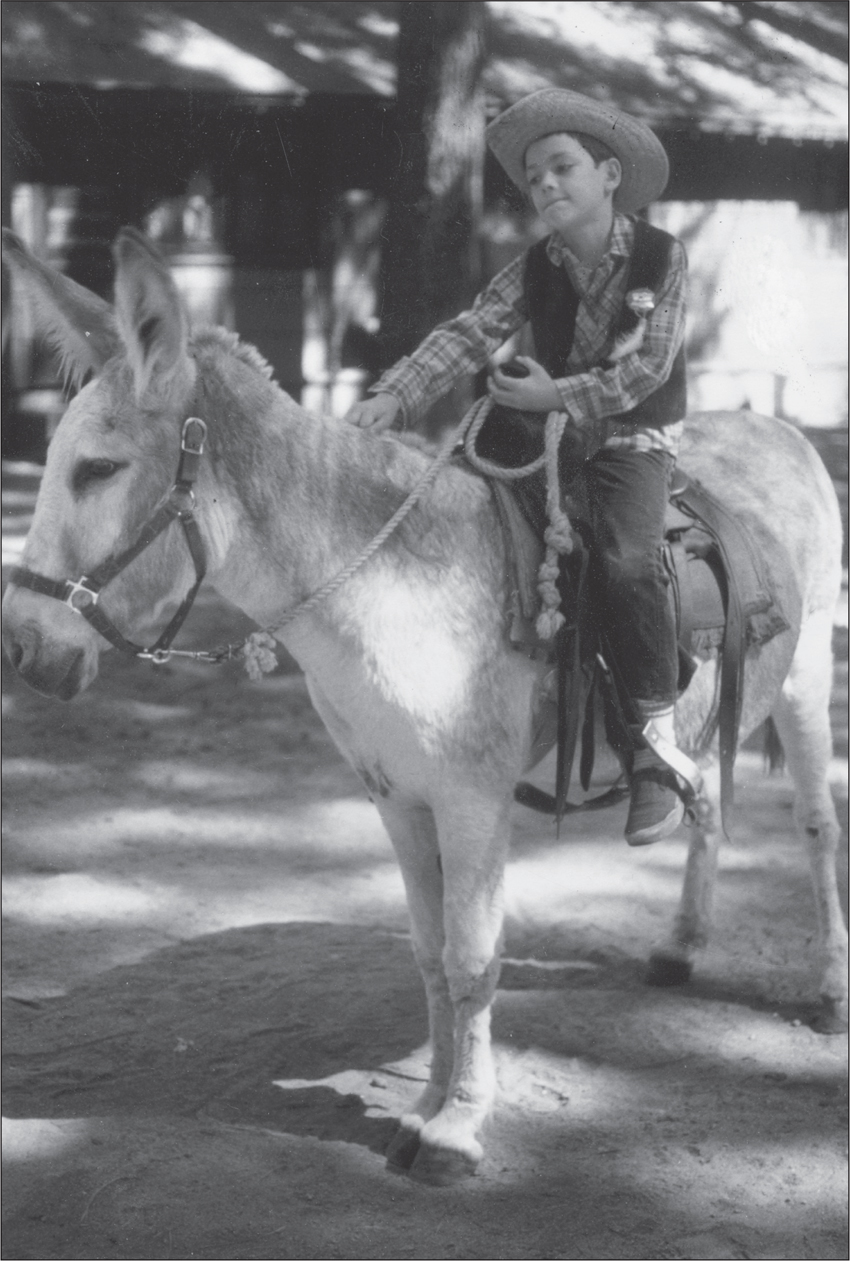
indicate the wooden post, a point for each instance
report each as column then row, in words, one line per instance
column 430, row 264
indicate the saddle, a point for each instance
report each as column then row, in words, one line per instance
column 723, row 601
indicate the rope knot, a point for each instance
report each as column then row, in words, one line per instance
column 549, row 569
column 559, row 536
column 259, row 653
column 548, row 623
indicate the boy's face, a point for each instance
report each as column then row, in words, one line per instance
column 568, row 189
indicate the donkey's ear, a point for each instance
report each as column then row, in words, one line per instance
column 151, row 317
column 80, row 325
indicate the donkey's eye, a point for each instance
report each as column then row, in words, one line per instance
column 88, row 472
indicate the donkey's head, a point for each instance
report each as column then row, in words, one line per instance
column 110, row 463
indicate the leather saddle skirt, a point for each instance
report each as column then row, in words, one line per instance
column 707, row 551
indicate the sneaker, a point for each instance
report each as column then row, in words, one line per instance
column 656, row 809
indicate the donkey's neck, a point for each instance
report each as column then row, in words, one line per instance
column 306, row 494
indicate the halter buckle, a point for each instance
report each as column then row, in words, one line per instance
column 80, row 589
column 196, row 446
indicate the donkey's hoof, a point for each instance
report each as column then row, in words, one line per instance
column 443, row 1167
column 667, row 970
column 402, row 1150
column 831, row 1018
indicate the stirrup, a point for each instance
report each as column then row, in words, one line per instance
column 687, row 772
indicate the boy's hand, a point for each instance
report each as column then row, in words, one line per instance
column 376, row 413
column 535, row 393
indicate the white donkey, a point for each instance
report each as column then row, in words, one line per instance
column 408, row 662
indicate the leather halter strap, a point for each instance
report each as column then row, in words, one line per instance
column 83, row 595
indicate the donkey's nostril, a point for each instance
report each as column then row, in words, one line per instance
column 15, row 652
column 20, row 642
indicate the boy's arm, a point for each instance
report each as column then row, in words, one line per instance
column 600, row 392
column 459, row 347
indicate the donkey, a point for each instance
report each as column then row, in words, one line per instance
column 408, row 662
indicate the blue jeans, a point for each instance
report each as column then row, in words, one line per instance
column 627, row 494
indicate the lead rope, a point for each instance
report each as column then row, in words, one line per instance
column 258, row 648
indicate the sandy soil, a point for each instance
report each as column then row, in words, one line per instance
column 212, row 1015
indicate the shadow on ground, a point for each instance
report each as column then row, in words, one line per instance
column 231, row 1097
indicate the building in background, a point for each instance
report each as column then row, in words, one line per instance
column 255, row 142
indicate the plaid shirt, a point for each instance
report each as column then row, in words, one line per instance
column 591, row 394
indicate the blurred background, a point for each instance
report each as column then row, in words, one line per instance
column 316, row 175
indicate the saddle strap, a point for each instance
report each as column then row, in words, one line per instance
column 568, row 654
column 731, row 690
column 588, row 732
column 699, row 503
column 534, row 798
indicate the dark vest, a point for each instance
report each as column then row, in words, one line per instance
column 514, row 438
column 553, row 304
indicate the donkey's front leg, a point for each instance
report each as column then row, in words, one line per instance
column 414, row 835
column 474, row 833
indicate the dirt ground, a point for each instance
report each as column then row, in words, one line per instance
column 212, row 1015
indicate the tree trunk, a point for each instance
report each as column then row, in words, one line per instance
column 430, row 265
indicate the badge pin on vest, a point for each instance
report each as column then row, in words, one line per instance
column 642, row 303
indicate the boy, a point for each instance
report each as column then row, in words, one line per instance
column 586, row 168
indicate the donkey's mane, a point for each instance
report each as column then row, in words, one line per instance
column 214, row 335
column 261, row 435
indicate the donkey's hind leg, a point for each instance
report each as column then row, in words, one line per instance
column 414, row 835
column 671, row 962
column 802, row 719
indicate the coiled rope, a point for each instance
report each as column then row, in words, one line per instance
column 558, row 535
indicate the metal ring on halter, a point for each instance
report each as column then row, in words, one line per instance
column 174, row 495
column 80, row 588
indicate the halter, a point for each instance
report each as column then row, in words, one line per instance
column 83, row 595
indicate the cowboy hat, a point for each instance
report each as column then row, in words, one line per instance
column 640, row 152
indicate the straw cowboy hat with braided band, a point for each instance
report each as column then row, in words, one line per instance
column 640, row 152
